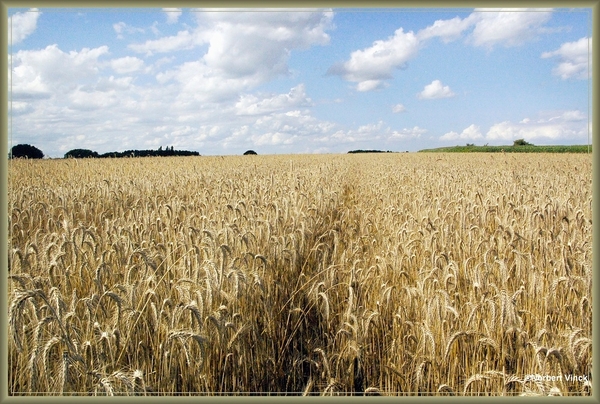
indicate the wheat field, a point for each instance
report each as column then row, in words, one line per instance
column 387, row 274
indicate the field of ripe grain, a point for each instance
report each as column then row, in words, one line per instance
column 387, row 274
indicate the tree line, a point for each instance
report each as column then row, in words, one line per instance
column 86, row 153
column 32, row 152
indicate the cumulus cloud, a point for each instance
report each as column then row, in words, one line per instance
column 371, row 128
column 19, row 108
column 183, row 40
column 398, row 108
column 506, row 26
column 214, row 113
column 38, row 72
column 197, row 82
column 273, row 139
column 447, row 30
column 281, row 132
column 80, row 99
column 570, row 116
column 367, row 134
column 249, row 43
column 21, row 25
column 127, row 64
column 369, row 85
column 121, row 28
column 62, row 94
column 370, row 66
column 569, row 126
column 470, row 133
column 435, row 90
column 407, row 133
column 243, row 49
column 238, row 38
column 112, row 83
column 575, row 59
column 490, row 27
column 510, row 131
column 208, row 104
column 250, row 104
column 172, row 14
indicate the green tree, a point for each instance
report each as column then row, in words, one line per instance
column 521, row 142
column 80, row 153
column 26, row 151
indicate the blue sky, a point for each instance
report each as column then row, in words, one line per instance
column 297, row 80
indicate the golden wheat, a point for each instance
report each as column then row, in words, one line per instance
column 397, row 274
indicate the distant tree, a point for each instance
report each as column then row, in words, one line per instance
column 250, row 152
column 81, row 154
column 521, row 142
column 470, row 144
column 26, row 151
column 369, row 151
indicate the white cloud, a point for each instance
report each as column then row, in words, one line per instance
column 241, row 40
column 259, row 43
column 569, row 126
column 398, row 108
column 372, row 128
column 112, row 83
column 244, row 50
column 272, row 139
column 572, row 116
column 286, row 130
column 211, row 102
column 48, row 70
column 470, row 133
column 370, row 85
column 172, row 14
column 407, row 133
column 370, row 66
column 127, row 64
column 92, row 100
column 251, row 105
column 506, row 26
column 575, row 59
column 509, row 27
column 121, row 27
column 367, row 134
column 21, row 25
column 508, row 131
column 19, row 107
column 72, row 98
column 447, row 30
column 62, row 96
column 183, row 40
column 435, row 90
column 199, row 83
